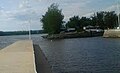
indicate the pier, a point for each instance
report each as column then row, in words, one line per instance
column 23, row 57
column 112, row 33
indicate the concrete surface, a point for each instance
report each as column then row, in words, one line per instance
column 18, row 58
column 42, row 65
column 112, row 33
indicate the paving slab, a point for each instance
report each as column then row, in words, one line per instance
column 112, row 33
column 18, row 58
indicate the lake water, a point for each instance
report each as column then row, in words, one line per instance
column 77, row 55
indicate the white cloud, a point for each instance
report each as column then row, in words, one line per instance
column 25, row 4
column 111, row 8
column 38, row 0
column 30, row 10
column 34, row 9
column 89, row 14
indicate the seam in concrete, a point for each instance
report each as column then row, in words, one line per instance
column 34, row 60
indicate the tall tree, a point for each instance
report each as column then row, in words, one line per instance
column 105, row 19
column 84, row 21
column 73, row 22
column 100, row 19
column 110, row 20
column 52, row 20
column 94, row 20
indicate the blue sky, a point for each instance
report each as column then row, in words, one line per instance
column 16, row 14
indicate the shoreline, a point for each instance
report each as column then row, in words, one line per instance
column 73, row 35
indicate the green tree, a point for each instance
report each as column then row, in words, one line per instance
column 73, row 22
column 110, row 20
column 105, row 19
column 52, row 20
column 100, row 19
column 84, row 21
column 94, row 20
column 78, row 23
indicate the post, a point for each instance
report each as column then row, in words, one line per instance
column 118, row 8
column 29, row 30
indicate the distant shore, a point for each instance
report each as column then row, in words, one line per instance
column 9, row 33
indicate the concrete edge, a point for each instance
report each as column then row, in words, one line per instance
column 42, row 65
column 112, row 33
column 34, row 59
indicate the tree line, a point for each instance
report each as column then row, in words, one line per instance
column 103, row 19
column 53, row 20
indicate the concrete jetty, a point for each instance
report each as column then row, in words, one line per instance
column 23, row 57
column 112, row 33
column 18, row 58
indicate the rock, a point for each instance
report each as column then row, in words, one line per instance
column 73, row 35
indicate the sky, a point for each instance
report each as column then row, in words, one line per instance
column 18, row 15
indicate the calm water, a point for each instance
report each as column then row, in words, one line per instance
column 79, row 55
